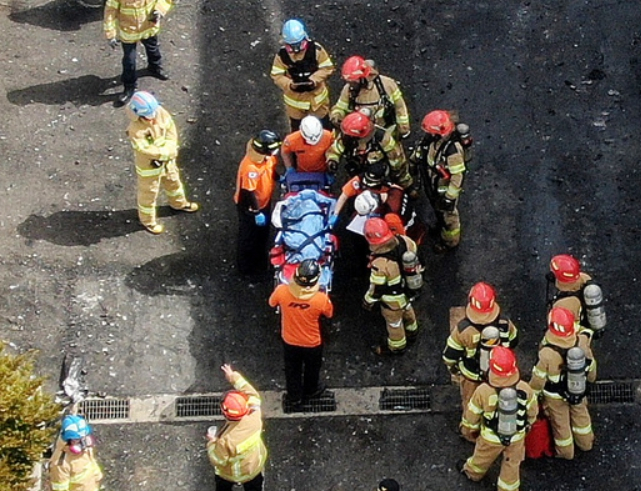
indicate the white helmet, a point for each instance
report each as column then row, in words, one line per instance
column 366, row 202
column 311, row 129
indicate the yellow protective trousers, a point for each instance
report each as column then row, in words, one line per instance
column 570, row 424
column 149, row 182
column 485, row 453
column 397, row 322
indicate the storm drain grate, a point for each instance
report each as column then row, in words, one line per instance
column 322, row 404
column 187, row 407
column 405, row 400
column 99, row 409
column 611, row 393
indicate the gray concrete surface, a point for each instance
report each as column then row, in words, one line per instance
column 551, row 91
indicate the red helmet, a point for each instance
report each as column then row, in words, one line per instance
column 565, row 268
column 234, row 405
column 355, row 69
column 482, row 298
column 377, row 231
column 438, row 123
column 357, row 124
column 502, row 362
column 561, row 322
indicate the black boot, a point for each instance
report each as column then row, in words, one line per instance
column 124, row 97
column 158, row 72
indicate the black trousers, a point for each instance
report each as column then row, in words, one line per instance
column 255, row 484
column 302, row 370
column 154, row 59
column 251, row 251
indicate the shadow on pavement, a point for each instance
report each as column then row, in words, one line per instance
column 59, row 15
column 82, row 228
column 87, row 89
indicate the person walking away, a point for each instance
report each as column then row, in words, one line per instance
column 129, row 22
column 565, row 364
column 473, row 337
column 388, row 286
column 441, row 158
column 365, row 87
column 237, row 451
column 302, row 306
column 499, row 414
column 255, row 185
column 154, row 138
column 304, row 150
column 73, row 465
column 301, row 69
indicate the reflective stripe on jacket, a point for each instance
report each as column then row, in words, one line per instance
column 155, row 139
column 129, row 20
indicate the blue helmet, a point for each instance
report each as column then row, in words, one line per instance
column 143, row 104
column 74, row 428
column 294, row 32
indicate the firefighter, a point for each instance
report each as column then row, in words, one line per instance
column 301, row 69
column 467, row 347
column 73, row 465
column 388, row 485
column 129, row 22
column 255, row 185
column 302, row 306
column 577, row 292
column 366, row 87
column 441, row 160
column 361, row 143
column 154, row 138
column 562, row 383
column 237, row 451
column 388, row 286
column 304, row 150
column 499, row 414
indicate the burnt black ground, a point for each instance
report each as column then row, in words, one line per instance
column 551, row 91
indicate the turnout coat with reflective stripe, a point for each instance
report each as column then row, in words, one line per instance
column 155, row 139
column 70, row 472
column 239, row 454
column 129, row 20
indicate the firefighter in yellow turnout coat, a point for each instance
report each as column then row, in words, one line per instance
column 154, row 139
column 237, row 452
column 496, row 431
column 568, row 413
column 73, row 465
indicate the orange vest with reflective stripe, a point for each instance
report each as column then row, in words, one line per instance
column 309, row 158
column 257, row 177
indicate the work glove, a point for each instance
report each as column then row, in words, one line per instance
column 155, row 17
column 156, row 163
column 260, row 219
column 332, row 166
column 405, row 136
column 330, row 178
column 446, row 204
column 367, row 306
column 303, row 86
column 114, row 43
column 333, row 220
column 412, row 192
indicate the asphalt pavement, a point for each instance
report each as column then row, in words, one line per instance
column 551, row 92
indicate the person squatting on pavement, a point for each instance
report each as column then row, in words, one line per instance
column 302, row 305
column 468, row 346
column 499, row 414
column 388, row 286
column 255, row 185
column 129, row 22
column 564, row 366
column 366, row 88
column 441, row 159
column 362, row 143
column 237, row 451
column 577, row 292
column 304, row 150
column 73, row 465
column 301, row 69
column 154, row 138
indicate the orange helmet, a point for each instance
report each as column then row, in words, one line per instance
column 358, row 125
column 377, row 231
column 565, row 268
column 561, row 322
column 234, row 405
column 482, row 298
column 502, row 362
column 355, row 69
column 438, row 123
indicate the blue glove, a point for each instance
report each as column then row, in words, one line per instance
column 260, row 219
column 333, row 220
column 330, row 179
